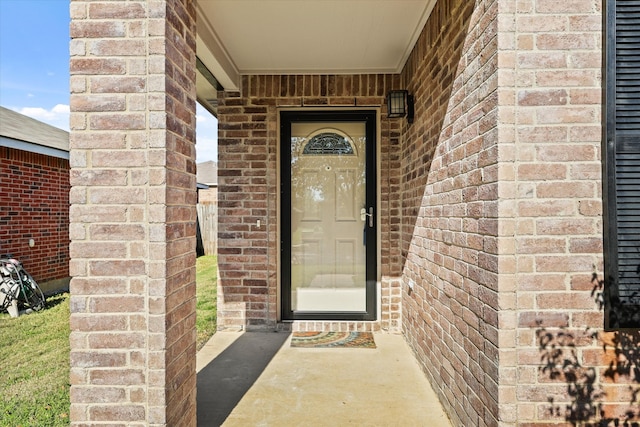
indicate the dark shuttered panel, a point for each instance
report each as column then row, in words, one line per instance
column 622, row 163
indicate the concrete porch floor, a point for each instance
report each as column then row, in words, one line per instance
column 257, row 379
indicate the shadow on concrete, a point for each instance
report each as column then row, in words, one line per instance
column 226, row 379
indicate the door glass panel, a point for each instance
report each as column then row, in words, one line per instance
column 328, row 253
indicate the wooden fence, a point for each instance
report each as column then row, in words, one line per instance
column 208, row 220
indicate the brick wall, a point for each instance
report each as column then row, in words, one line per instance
column 34, row 204
column 247, row 191
column 503, row 240
column 450, row 209
column 133, row 219
column 564, row 369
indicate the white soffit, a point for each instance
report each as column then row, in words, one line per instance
column 238, row 37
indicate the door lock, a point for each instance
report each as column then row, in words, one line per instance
column 364, row 214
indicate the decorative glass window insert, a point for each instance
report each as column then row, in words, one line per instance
column 328, row 143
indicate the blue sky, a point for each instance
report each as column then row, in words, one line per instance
column 34, row 67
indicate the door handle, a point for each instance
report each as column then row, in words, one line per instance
column 364, row 214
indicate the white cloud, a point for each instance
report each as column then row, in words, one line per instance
column 61, row 108
column 58, row 116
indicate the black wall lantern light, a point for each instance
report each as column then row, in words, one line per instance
column 400, row 104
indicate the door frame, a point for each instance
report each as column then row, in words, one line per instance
column 370, row 118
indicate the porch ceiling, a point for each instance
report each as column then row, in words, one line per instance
column 238, row 37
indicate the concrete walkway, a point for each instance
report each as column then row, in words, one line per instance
column 257, row 379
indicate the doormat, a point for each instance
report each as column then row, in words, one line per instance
column 333, row 340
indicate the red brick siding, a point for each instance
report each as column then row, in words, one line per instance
column 450, row 209
column 34, row 204
column 247, row 191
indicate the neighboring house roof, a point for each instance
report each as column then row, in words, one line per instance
column 27, row 134
column 207, row 173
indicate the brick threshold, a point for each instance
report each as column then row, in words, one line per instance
column 329, row 326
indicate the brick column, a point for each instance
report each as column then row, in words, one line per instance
column 552, row 83
column 133, row 212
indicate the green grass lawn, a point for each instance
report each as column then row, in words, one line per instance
column 34, row 355
column 206, row 297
